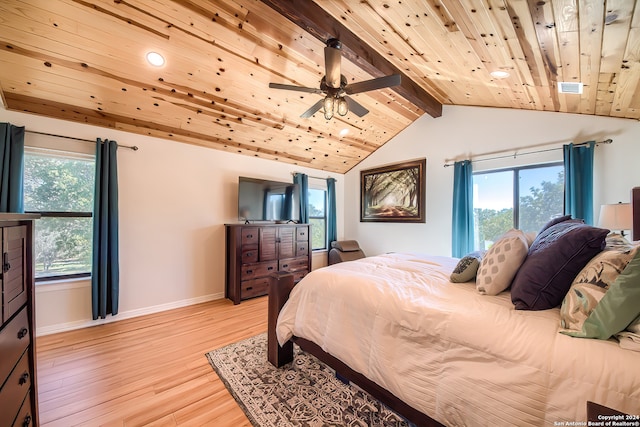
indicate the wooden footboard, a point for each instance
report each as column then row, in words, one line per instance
column 280, row 287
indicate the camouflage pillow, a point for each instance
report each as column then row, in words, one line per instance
column 593, row 281
column 467, row 268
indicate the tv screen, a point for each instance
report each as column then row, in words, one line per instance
column 265, row 200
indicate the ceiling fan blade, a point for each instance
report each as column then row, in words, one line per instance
column 296, row 88
column 332, row 57
column 355, row 107
column 367, row 85
column 311, row 111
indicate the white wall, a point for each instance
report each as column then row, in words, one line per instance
column 174, row 201
column 175, row 198
column 465, row 131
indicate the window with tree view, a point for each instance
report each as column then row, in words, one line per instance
column 522, row 197
column 59, row 186
column 318, row 218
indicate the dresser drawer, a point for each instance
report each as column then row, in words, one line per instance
column 14, row 339
column 294, row 264
column 249, row 236
column 16, row 388
column 249, row 254
column 302, row 248
column 24, row 418
column 254, row 287
column 252, row 271
column 302, row 234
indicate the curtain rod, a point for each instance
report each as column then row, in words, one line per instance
column 131, row 147
column 314, row 177
column 606, row 141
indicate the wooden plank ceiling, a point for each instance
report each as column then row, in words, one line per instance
column 84, row 61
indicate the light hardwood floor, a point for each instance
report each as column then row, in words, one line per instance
column 146, row 371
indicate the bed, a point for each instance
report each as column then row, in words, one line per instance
column 440, row 352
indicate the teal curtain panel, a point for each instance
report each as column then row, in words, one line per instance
column 578, row 180
column 105, row 272
column 11, row 168
column 462, row 221
column 332, row 226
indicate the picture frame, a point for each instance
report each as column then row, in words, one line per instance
column 394, row 193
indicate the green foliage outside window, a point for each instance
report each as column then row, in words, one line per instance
column 318, row 218
column 542, row 204
column 60, row 187
column 536, row 205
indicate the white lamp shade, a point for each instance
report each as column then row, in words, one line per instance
column 615, row 217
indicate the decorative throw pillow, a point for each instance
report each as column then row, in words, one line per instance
column 554, row 260
column 554, row 221
column 619, row 306
column 501, row 262
column 594, row 280
column 467, row 267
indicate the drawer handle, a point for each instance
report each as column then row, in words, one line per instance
column 285, row 265
column 22, row 333
column 269, row 268
column 249, row 236
column 27, row 421
column 249, row 288
column 248, row 254
column 6, row 265
column 249, row 271
column 23, row 378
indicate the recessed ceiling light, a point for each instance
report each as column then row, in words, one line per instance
column 155, row 59
column 499, row 74
column 344, row 131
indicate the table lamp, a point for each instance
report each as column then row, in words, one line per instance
column 615, row 217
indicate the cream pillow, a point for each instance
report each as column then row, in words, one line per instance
column 501, row 262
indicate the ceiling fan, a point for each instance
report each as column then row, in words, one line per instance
column 335, row 89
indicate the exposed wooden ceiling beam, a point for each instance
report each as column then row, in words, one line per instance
column 317, row 22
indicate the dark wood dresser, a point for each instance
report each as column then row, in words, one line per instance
column 18, row 390
column 254, row 251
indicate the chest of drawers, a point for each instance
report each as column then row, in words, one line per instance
column 253, row 252
column 18, row 390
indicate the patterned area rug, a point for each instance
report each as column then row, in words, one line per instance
column 305, row 392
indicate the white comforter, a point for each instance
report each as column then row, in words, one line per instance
column 462, row 358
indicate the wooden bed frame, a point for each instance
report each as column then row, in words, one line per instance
column 280, row 286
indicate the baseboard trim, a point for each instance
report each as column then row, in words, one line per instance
column 79, row 324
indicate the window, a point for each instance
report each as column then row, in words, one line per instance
column 318, row 218
column 521, row 197
column 59, row 186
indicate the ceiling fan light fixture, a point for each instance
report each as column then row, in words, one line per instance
column 343, row 107
column 328, row 105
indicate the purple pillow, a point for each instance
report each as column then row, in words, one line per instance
column 555, row 258
column 554, row 221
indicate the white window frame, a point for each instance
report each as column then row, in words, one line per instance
column 325, row 218
column 73, row 149
column 515, row 185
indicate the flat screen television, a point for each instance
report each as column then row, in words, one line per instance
column 265, row 200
